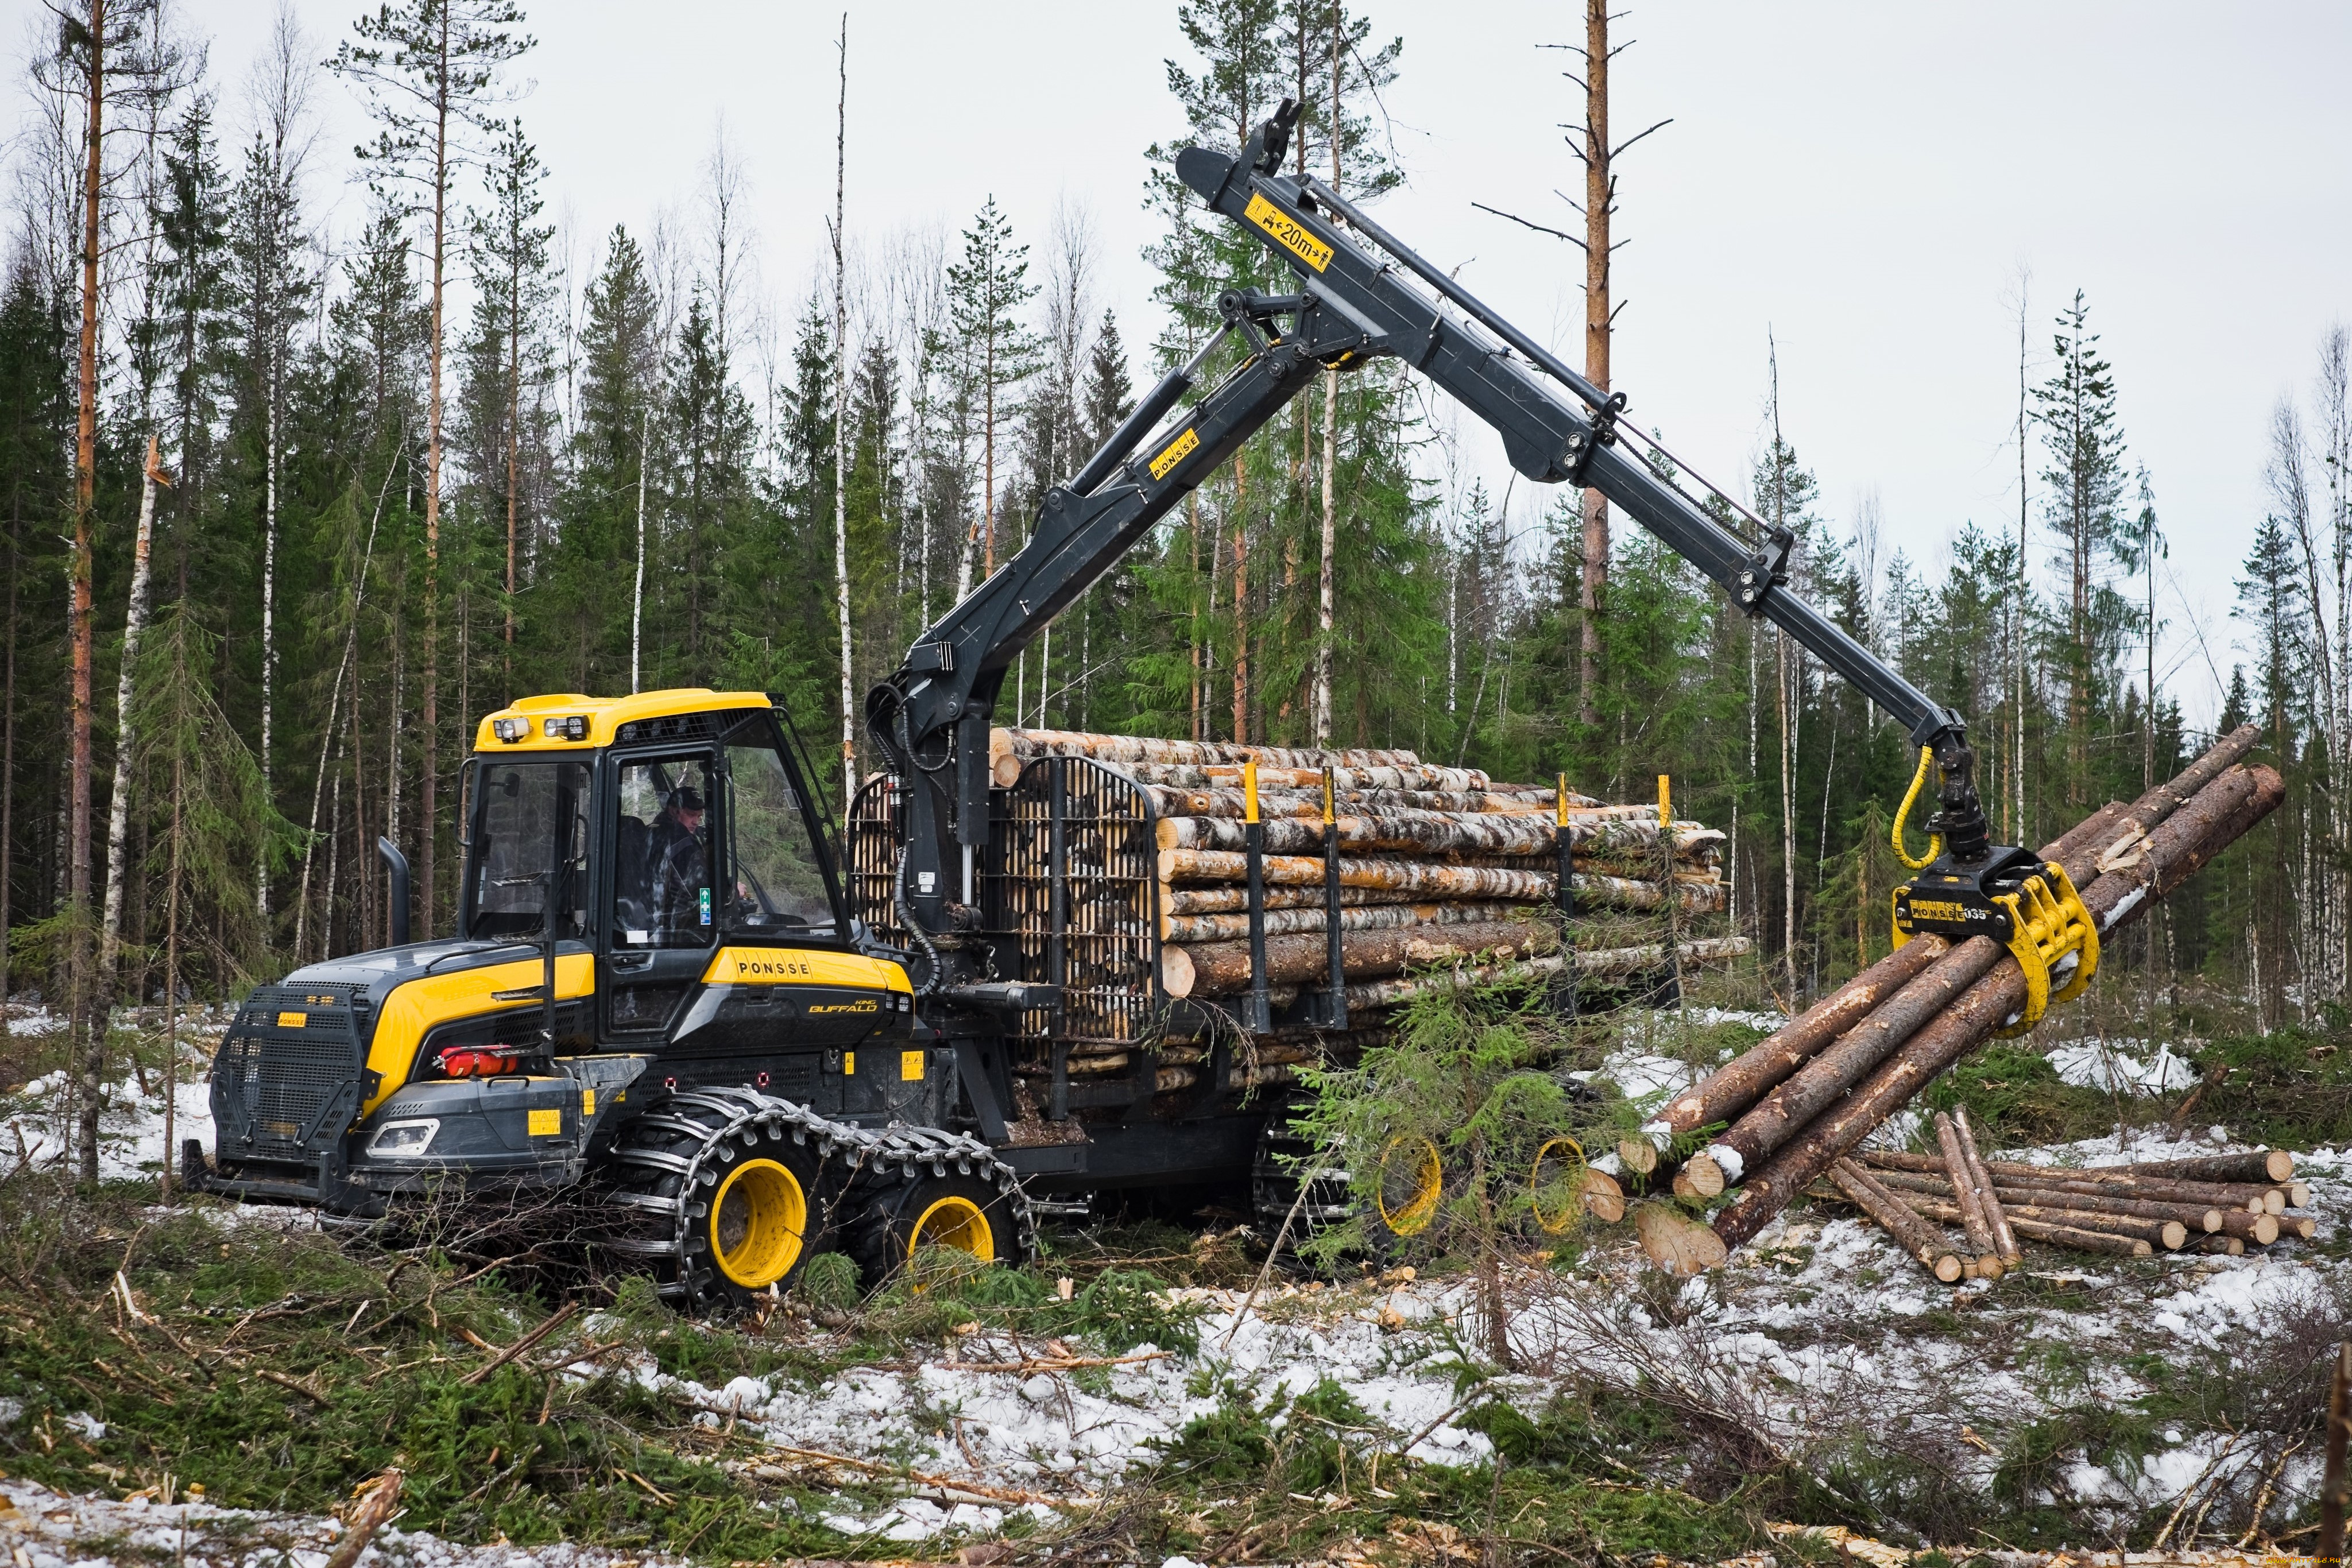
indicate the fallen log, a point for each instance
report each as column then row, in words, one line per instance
column 2242, row 1195
column 2212, row 820
column 1405, row 876
column 2058, row 1233
column 1988, row 1197
column 2263, row 1166
column 1910, row 1232
column 2201, row 1218
column 1962, row 1180
column 1222, row 969
column 2218, row 1246
column 1731, row 1089
column 1191, row 928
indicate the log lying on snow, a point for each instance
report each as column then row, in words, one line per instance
column 2203, row 1219
column 2004, row 1239
column 1222, row 969
column 1914, row 1235
column 2062, row 1228
column 1960, row 1178
column 2253, row 1197
column 2186, row 836
column 2265, row 1167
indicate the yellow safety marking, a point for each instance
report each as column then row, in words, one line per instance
column 849, row 1065
column 1560, row 803
column 910, row 1067
column 803, row 967
column 1249, row 790
column 1665, row 803
column 1175, row 452
column 547, row 1124
column 293, row 1021
column 587, row 1103
column 1288, row 232
column 420, row 1005
column 606, row 715
column 1328, row 817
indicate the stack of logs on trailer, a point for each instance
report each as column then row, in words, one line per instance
column 1195, row 948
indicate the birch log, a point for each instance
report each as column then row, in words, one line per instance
column 1402, row 876
column 1222, row 969
column 1235, row 927
column 2209, row 823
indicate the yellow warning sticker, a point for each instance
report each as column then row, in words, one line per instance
column 1176, row 452
column 849, row 1065
column 293, row 1021
column 1288, row 232
column 911, row 1066
column 587, row 1101
column 547, row 1124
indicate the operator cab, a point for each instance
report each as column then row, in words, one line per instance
column 671, row 826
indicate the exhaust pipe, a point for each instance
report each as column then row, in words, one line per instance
column 397, row 864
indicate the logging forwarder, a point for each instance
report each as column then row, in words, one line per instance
column 656, row 992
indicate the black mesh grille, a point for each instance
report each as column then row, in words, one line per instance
column 286, row 1078
column 670, row 726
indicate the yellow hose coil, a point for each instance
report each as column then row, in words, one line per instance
column 1935, row 841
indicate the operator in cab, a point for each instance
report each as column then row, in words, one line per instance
column 679, row 859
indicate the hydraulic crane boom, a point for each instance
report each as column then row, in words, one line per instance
column 931, row 718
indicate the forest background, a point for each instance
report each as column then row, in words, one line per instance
column 409, row 468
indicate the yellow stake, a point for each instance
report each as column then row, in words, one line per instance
column 1665, row 803
column 1560, row 803
column 1328, row 815
column 1249, row 790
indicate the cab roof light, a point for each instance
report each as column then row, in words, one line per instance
column 510, row 730
column 571, row 727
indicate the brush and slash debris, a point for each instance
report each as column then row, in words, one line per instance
column 1794, row 1110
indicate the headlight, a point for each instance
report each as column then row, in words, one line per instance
column 403, row 1140
column 510, row 729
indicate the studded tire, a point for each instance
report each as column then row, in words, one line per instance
column 919, row 1188
column 726, row 1194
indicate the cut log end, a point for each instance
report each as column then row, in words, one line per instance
column 1176, row 974
column 1639, row 1156
column 1947, row 1265
column 1602, row 1197
column 1675, row 1242
column 2265, row 1230
column 2175, row 1235
column 1704, row 1176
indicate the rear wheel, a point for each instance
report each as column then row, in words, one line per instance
column 731, row 1193
column 956, row 1205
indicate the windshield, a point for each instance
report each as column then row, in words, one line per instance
column 530, row 818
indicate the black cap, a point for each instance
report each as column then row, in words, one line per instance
column 686, row 798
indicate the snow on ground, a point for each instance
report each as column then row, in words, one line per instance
column 1050, row 1434
column 2112, row 1067
column 42, row 1529
column 35, row 1116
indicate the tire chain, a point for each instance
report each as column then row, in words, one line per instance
column 711, row 1116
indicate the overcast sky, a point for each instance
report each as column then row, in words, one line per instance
column 1863, row 183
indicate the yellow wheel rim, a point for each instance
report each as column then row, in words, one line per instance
column 957, row 1223
column 1416, row 1179
column 1569, row 1153
column 758, row 1222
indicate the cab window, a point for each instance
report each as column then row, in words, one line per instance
column 778, row 881
column 661, row 872
column 530, row 818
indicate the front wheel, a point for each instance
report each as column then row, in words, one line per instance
column 733, row 1191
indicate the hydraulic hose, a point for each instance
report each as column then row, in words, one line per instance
column 1910, row 798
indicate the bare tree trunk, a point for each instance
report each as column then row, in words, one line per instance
column 171, row 978
column 118, row 826
column 268, row 601
column 1324, row 585
column 1241, row 599
column 91, row 1065
column 1599, row 196
column 8, row 770
column 2021, row 598
column 428, row 814
column 840, row 432
column 514, row 444
column 637, row 592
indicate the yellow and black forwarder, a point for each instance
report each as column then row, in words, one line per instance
column 659, row 985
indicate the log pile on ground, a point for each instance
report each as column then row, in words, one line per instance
column 1807, row 1097
column 2221, row 1204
